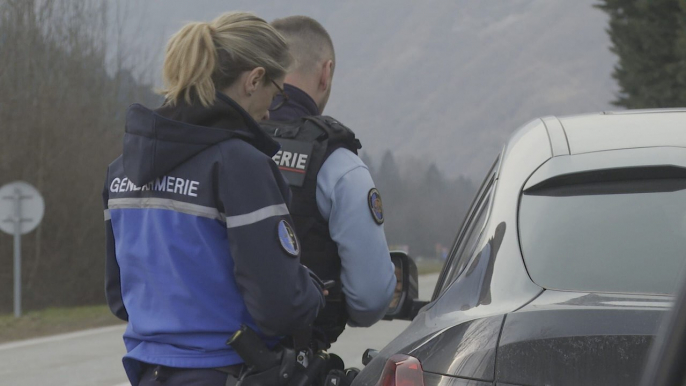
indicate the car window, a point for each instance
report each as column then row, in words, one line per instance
column 467, row 248
column 469, row 235
column 620, row 236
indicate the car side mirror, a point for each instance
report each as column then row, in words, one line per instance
column 405, row 304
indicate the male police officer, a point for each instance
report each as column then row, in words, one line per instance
column 336, row 208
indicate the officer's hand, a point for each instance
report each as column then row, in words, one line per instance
column 323, row 286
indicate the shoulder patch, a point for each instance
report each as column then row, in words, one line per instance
column 287, row 238
column 375, row 205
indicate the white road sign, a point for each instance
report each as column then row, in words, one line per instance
column 21, row 210
column 20, row 199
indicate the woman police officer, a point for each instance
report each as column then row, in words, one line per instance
column 199, row 238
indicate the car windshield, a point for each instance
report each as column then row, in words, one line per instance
column 627, row 236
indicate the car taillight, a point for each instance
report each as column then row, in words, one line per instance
column 402, row 370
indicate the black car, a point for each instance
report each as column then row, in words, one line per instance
column 564, row 265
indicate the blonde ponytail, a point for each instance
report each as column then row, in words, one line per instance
column 204, row 57
column 189, row 63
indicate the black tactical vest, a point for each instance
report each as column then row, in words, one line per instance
column 305, row 144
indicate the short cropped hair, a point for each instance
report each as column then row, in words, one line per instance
column 308, row 41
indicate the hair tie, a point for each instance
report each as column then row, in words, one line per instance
column 213, row 31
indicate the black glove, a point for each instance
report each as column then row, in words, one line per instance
column 316, row 279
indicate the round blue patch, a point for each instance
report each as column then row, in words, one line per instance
column 289, row 242
column 375, row 205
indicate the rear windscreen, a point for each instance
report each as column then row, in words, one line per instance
column 623, row 236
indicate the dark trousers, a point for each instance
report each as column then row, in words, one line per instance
column 169, row 376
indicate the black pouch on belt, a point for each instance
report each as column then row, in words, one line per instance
column 263, row 366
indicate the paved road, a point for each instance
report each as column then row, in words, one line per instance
column 352, row 343
column 93, row 357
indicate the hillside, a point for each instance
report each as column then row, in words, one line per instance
column 444, row 81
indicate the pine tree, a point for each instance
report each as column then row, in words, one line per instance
column 388, row 170
column 649, row 38
column 364, row 156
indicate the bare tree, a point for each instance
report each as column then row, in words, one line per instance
column 62, row 104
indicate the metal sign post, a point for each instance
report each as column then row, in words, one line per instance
column 21, row 210
column 17, row 251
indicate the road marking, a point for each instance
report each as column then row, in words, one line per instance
column 57, row 338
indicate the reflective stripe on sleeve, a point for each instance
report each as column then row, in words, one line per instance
column 164, row 203
column 256, row 216
column 107, row 215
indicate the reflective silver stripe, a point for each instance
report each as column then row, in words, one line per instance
column 256, row 216
column 107, row 215
column 165, row 203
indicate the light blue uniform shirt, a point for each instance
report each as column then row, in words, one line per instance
column 367, row 273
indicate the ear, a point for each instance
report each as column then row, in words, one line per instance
column 254, row 79
column 327, row 75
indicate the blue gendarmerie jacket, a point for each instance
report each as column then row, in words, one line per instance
column 195, row 240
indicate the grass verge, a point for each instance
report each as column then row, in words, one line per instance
column 429, row 266
column 54, row 321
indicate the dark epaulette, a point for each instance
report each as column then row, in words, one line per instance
column 335, row 131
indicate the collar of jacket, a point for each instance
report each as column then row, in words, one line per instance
column 261, row 140
column 157, row 141
column 300, row 104
column 225, row 113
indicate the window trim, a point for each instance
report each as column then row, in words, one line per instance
column 487, row 187
column 469, row 254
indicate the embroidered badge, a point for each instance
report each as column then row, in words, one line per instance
column 289, row 242
column 375, row 205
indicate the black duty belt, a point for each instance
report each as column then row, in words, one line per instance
column 160, row 372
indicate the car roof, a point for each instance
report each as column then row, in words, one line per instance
column 627, row 129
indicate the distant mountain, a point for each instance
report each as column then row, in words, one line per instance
column 445, row 81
